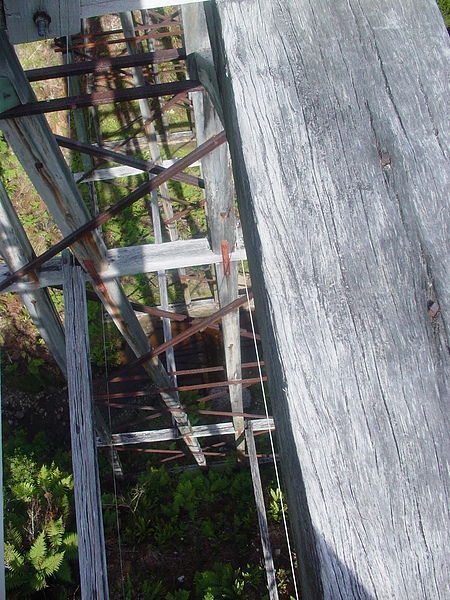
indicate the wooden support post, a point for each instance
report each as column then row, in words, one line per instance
column 34, row 144
column 88, row 508
column 220, row 213
column 336, row 113
column 261, row 510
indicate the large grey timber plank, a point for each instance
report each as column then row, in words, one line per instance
column 346, row 249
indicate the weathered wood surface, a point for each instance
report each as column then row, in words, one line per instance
column 261, row 510
column 19, row 16
column 117, row 172
column 165, row 435
column 131, row 260
column 88, row 508
column 346, row 249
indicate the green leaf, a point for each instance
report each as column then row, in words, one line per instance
column 13, row 559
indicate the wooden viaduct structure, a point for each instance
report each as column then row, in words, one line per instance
column 337, row 121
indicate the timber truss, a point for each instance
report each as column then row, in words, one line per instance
column 154, row 72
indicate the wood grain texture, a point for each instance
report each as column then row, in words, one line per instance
column 19, row 17
column 345, row 254
column 88, row 508
column 165, row 435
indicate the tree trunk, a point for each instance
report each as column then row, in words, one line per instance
column 337, row 117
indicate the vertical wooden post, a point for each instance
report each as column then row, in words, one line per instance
column 337, row 116
column 261, row 509
column 221, row 217
column 91, row 542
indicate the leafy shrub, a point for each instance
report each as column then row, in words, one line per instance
column 38, row 509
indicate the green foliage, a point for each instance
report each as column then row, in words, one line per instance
column 276, row 505
column 444, row 5
column 224, row 581
column 38, row 509
column 179, row 595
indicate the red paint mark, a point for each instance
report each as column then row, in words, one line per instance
column 226, row 258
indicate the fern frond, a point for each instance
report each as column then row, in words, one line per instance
column 38, row 551
column 70, row 544
column 38, row 581
column 14, row 537
column 13, row 559
column 55, row 532
column 24, row 490
column 51, row 564
column 15, row 579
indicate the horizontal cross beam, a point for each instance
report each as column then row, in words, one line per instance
column 184, row 335
column 105, row 65
column 168, row 435
column 99, row 98
column 131, row 260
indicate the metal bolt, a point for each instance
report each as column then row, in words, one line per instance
column 42, row 21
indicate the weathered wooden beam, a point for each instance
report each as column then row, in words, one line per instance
column 30, row 21
column 98, row 98
column 131, row 260
column 34, row 144
column 261, row 511
column 94, row 8
column 16, row 249
column 88, row 507
column 124, row 171
column 220, row 213
column 104, row 65
column 340, row 140
column 167, row 435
